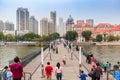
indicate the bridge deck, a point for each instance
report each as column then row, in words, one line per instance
column 70, row 70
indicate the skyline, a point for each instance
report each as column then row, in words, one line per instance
column 102, row 11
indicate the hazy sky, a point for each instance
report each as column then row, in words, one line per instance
column 107, row 11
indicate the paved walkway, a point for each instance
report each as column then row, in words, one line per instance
column 70, row 70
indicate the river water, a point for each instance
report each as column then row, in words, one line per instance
column 8, row 53
column 104, row 53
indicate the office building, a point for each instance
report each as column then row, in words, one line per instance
column 33, row 25
column 53, row 19
column 90, row 22
column 22, row 16
column 61, row 27
column 80, row 21
column 8, row 26
column 44, row 26
column 69, row 23
column 50, row 27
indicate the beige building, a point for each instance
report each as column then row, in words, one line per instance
column 44, row 26
column 102, row 28
column 33, row 25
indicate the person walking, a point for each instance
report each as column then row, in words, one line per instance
column 17, row 69
column 98, row 72
column 105, row 65
column 48, row 71
column 83, row 76
column 5, row 73
column 58, row 71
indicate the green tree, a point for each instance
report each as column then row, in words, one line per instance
column 1, row 36
column 110, row 37
column 117, row 38
column 71, row 35
column 86, row 35
column 99, row 38
column 10, row 37
column 29, row 36
column 53, row 36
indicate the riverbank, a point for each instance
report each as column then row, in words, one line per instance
column 19, row 43
column 116, row 43
column 108, row 43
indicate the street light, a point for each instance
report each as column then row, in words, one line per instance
column 80, row 62
column 50, row 52
column 42, row 66
column 71, row 51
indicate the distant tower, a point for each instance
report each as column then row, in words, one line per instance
column 22, row 16
column 90, row 21
column 69, row 23
column 53, row 18
column 33, row 25
column 80, row 21
column 44, row 26
column 1, row 26
column 60, row 28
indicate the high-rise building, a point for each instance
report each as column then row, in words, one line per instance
column 50, row 27
column 69, row 23
column 22, row 16
column 53, row 18
column 90, row 21
column 60, row 28
column 9, row 26
column 1, row 26
column 33, row 25
column 44, row 26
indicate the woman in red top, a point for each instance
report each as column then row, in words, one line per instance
column 16, row 69
column 48, row 70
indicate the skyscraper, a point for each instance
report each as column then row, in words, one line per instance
column 22, row 15
column 33, row 25
column 44, row 26
column 53, row 18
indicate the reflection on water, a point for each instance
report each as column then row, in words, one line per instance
column 104, row 53
column 9, row 52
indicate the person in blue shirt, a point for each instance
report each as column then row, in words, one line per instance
column 83, row 76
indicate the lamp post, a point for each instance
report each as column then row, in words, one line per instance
column 42, row 66
column 80, row 62
column 50, row 52
column 71, row 51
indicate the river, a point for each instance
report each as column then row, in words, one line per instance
column 8, row 53
column 104, row 53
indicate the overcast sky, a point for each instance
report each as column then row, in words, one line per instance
column 107, row 11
